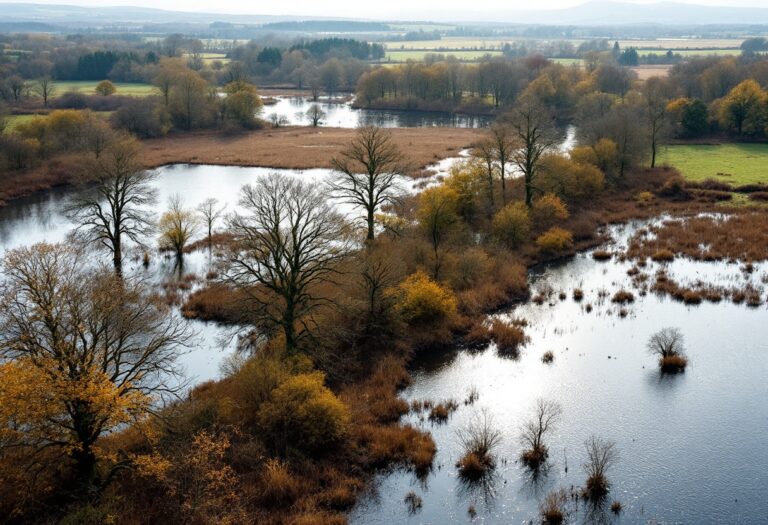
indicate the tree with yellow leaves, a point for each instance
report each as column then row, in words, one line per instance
column 177, row 226
column 743, row 109
column 82, row 352
column 437, row 215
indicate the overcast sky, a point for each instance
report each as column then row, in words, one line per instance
column 399, row 9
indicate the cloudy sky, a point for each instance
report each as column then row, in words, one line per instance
column 387, row 9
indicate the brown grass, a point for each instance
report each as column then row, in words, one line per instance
column 548, row 357
column 616, row 507
column 298, row 147
column 552, row 508
column 442, row 411
column 578, row 294
column 602, row 255
column 623, row 297
column 508, row 337
column 673, row 364
column 473, row 467
column 739, row 236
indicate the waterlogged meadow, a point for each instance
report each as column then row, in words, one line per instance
column 586, row 353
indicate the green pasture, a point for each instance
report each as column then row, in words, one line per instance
column 418, row 55
column 731, row 163
column 87, row 87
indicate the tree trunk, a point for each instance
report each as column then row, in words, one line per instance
column 371, row 225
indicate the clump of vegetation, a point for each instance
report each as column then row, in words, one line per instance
column 509, row 337
column 553, row 508
column 578, row 294
column 555, row 240
column 601, row 456
column 548, row 357
column 663, row 255
column 512, row 224
column 424, row 301
column 479, row 440
column 668, row 344
column 546, row 415
column 414, row 502
column 442, row 411
column 602, row 255
column 616, row 507
column 623, row 297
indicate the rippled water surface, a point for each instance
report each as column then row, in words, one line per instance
column 693, row 447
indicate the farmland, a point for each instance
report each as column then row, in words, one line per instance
column 87, row 87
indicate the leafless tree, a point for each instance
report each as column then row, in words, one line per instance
column 502, row 144
column 117, row 208
column 485, row 152
column 316, row 115
column 102, row 349
column 480, row 437
column 367, row 173
column 601, row 456
column 287, row 244
column 532, row 126
column 546, row 415
column 667, row 342
column 45, row 88
column 210, row 211
column 656, row 92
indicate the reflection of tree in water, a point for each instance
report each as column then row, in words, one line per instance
column 536, row 482
column 482, row 490
column 596, row 512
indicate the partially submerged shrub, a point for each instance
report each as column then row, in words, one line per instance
column 616, row 507
column 578, row 294
column 413, row 502
column 555, row 240
column 442, row 411
column 623, row 297
column 478, row 439
column 545, row 416
column 668, row 344
column 602, row 255
column 509, row 337
column 548, row 357
column 601, row 456
column 553, row 509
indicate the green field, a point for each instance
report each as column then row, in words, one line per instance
column 418, row 55
column 691, row 52
column 87, row 87
column 732, row 163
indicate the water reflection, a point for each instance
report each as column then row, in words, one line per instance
column 692, row 445
column 341, row 114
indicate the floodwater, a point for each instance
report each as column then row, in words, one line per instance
column 340, row 114
column 693, row 447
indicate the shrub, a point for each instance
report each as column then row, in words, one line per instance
column 548, row 357
column 424, row 301
column 442, row 411
column 601, row 456
column 413, row 501
column 759, row 196
column 616, row 507
column 674, row 189
column 553, row 508
column 673, row 363
column 304, row 414
column 479, row 440
column 105, row 88
column 602, row 255
column 508, row 337
column 555, row 240
column 578, row 294
column 279, row 488
column 548, row 210
column 545, row 417
column 623, row 297
column 512, row 224
column 644, row 197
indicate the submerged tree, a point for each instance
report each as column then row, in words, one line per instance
column 117, row 207
column 315, row 114
column 367, row 173
column 210, row 212
column 82, row 352
column 545, row 416
column 668, row 345
column 177, row 226
column 601, row 456
column 287, row 245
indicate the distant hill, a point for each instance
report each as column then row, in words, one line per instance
column 606, row 12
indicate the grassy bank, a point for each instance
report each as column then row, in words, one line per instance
column 734, row 164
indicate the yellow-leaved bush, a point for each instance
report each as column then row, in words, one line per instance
column 424, row 301
column 302, row 413
column 555, row 240
column 512, row 224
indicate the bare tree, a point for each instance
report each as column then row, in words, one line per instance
column 45, row 88
column 532, row 125
column 667, row 342
column 117, row 208
column 177, row 226
column 503, row 147
column 601, row 456
column 367, row 173
column 288, row 243
column 546, row 415
column 485, row 152
column 315, row 115
column 210, row 211
column 82, row 352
